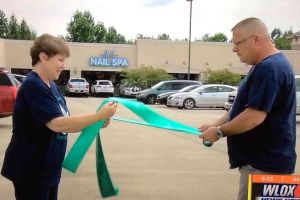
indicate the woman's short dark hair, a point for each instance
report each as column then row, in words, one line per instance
column 49, row 45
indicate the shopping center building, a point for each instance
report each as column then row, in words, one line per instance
column 95, row 61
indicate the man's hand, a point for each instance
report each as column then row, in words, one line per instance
column 204, row 127
column 209, row 134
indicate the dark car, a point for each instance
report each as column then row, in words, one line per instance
column 148, row 96
column 162, row 98
column 8, row 93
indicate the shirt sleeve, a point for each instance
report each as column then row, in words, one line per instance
column 264, row 89
column 42, row 103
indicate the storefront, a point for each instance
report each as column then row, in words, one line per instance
column 106, row 61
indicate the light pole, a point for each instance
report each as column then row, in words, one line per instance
column 189, row 59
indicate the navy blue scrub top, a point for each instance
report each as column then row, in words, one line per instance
column 35, row 153
column 269, row 87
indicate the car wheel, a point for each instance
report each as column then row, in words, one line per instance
column 189, row 104
column 151, row 99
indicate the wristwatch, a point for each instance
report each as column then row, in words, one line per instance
column 219, row 132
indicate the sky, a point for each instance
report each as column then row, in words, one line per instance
column 154, row 17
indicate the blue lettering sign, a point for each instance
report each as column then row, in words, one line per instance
column 108, row 59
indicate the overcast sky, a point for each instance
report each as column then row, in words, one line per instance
column 154, row 17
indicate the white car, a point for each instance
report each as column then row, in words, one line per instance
column 211, row 95
column 128, row 91
column 77, row 86
column 102, row 87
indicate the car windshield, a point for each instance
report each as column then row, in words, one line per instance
column 157, row 85
column 197, row 89
column 77, row 80
column 104, row 83
column 188, row 88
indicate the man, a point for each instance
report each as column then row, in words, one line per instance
column 261, row 126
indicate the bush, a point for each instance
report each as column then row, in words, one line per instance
column 144, row 77
column 222, row 76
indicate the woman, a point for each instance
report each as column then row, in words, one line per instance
column 41, row 121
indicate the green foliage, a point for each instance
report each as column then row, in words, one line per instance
column 222, row 76
column 99, row 32
column 3, row 25
column 114, row 37
column 144, row 77
column 283, row 43
column 163, row 36
column 24, row 31
column 280, row 40
column 218, row 37
column 82, row 28
column 13, row 30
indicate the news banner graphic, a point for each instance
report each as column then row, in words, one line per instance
column 273, row 187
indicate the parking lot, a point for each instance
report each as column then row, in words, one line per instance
column 146, row 162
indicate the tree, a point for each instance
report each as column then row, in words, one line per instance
column 13, row 28
column 3, row 25
column 276, row 33
column 81, row 27
column 163, row 36
column 222, row 76
column 113, row 37
column 99, row 32
column 218, row 37
column 24, row 31
column 144, row 77
column 281, row 40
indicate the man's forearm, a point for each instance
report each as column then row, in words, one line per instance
column 222, row 120
column 245, row 121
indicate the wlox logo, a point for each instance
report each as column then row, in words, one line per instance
column 278, row 190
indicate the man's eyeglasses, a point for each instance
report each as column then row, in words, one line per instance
column 242, row 40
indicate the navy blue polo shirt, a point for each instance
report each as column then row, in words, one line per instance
column 270, row 87
column 35, row 153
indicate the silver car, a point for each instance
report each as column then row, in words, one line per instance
column 211, row 95
column 128, row 90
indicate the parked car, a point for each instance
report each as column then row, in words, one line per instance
column 230, row 100
column 162, row 98
column 102, row 87
column 149, row 95
column 20, row 78
column 212, row 95
column 77, row 86
column 128, row 90
column 8, row 93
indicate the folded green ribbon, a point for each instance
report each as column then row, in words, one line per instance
column 85, row 139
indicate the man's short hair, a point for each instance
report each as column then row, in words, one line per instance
column 253, row 25
column 49, row 45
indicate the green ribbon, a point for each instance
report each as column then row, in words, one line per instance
column 88, row 134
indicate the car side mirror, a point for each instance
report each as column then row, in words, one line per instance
column 158, row 88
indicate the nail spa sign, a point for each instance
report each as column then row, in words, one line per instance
column 108, row 59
